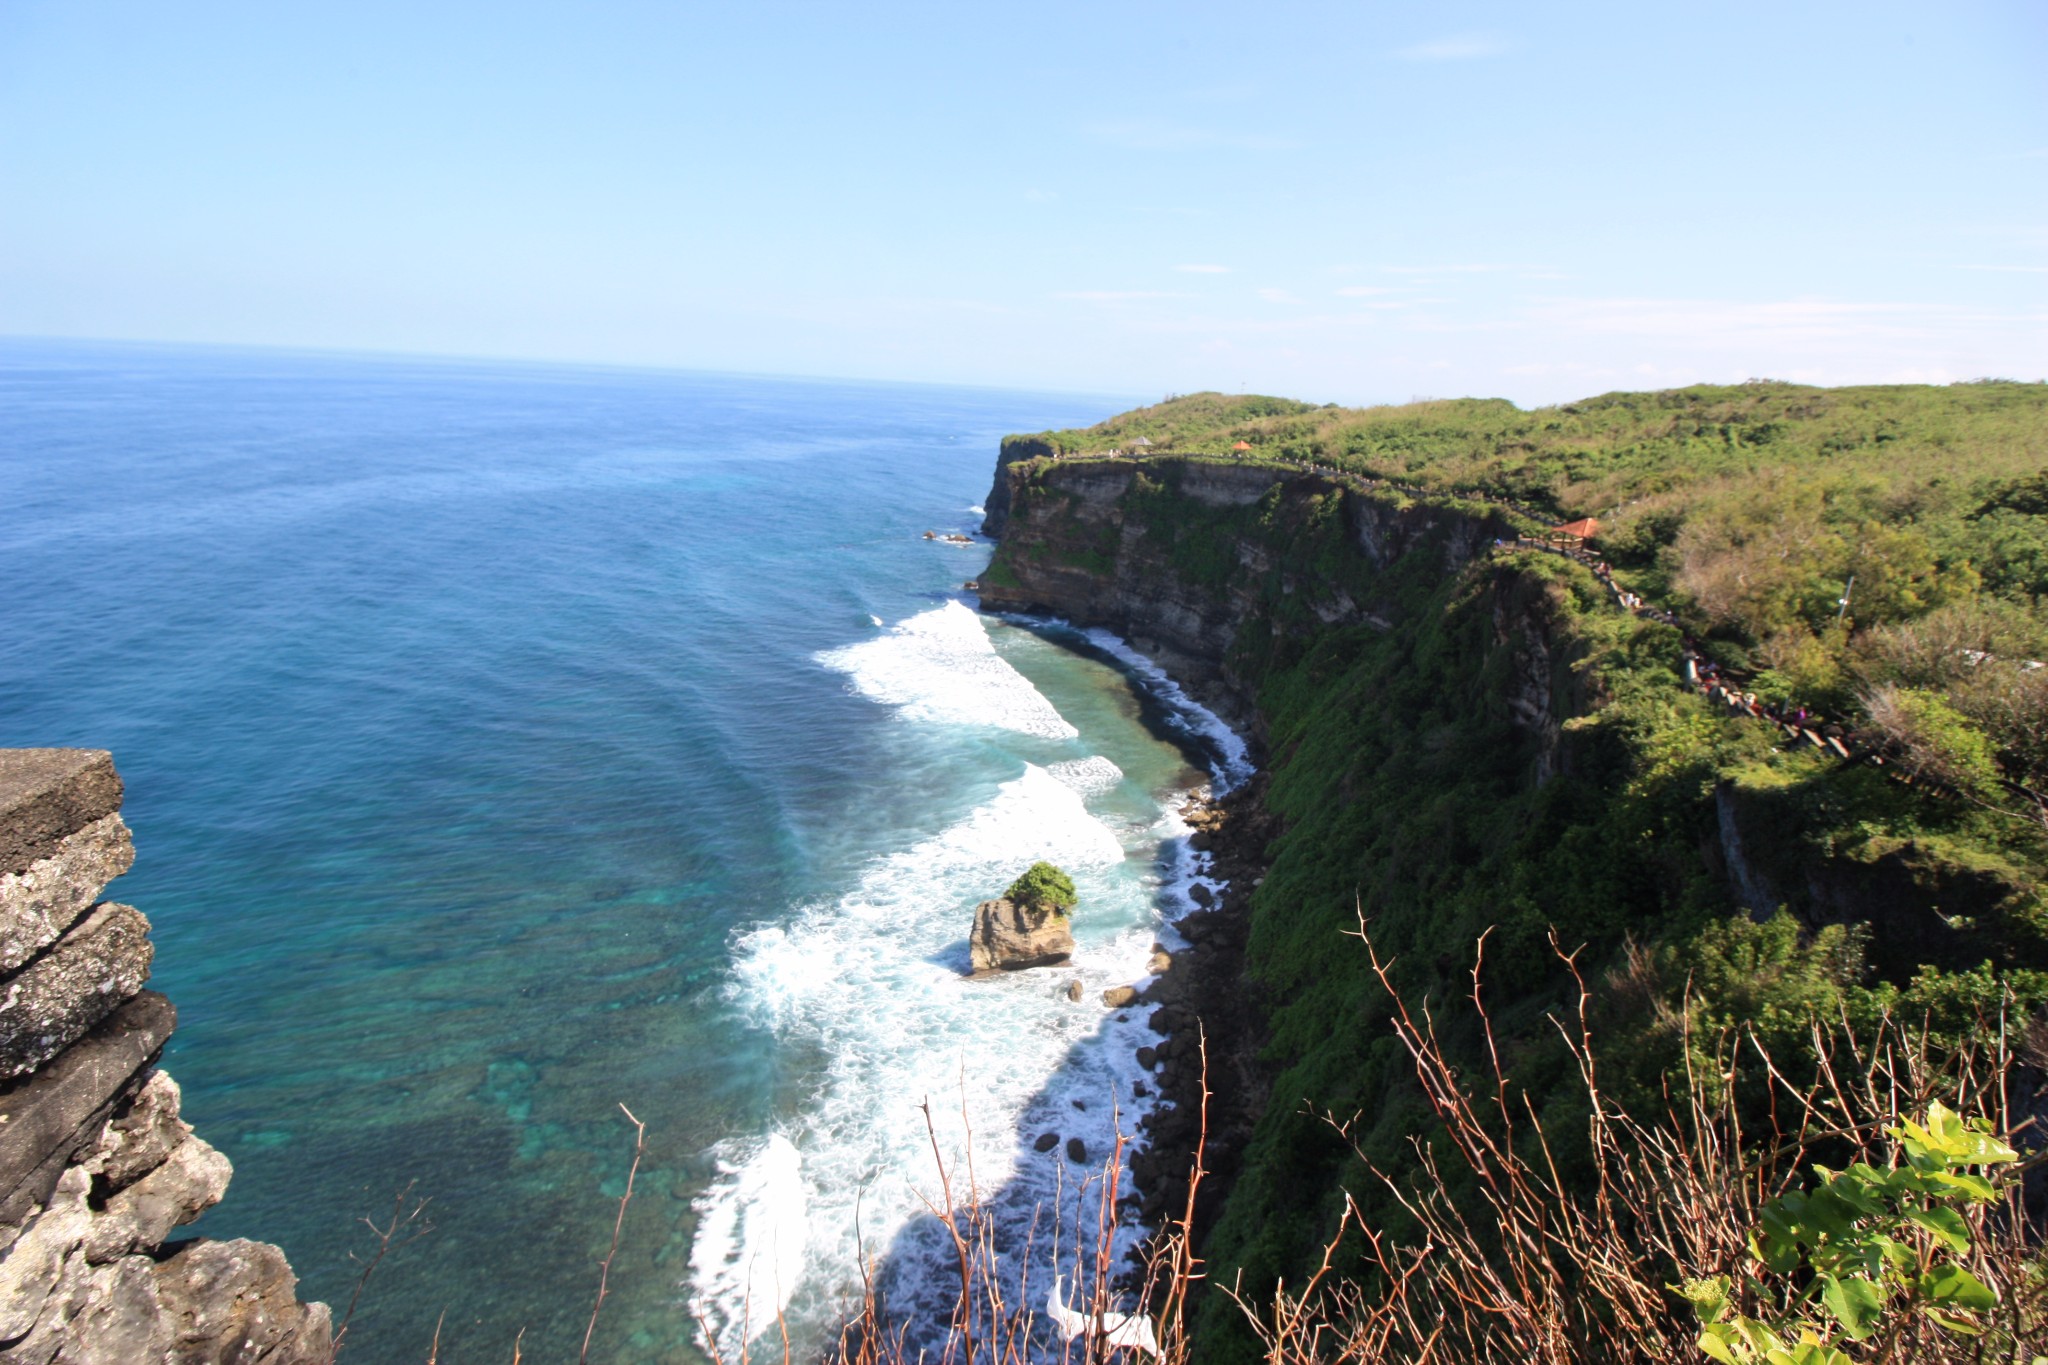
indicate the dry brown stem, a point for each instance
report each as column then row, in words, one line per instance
column 604, row 1272
column 1535, row 1266
column 406, row 1224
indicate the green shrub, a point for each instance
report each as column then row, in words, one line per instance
column 1043, row 887
column 1868, row 1242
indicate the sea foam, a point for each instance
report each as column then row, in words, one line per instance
column 1088, row 776
column 1233, row 759
column 748, row 1253
column 870, row 989
column 939, row 666
column 873, row 986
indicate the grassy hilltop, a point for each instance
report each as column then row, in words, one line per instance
column 1410, row 794
column 1955, row 474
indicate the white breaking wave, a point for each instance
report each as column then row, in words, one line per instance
column 748, row 1253
column 1234, row 764
column 939, row 666
column 869, row 990
column 873, row 986
column 1088, row 776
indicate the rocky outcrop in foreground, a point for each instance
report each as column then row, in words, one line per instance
column 1009, row 937
column 96, row 1166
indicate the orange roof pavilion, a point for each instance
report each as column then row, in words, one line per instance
column 1585, row 528
column 1242, row 445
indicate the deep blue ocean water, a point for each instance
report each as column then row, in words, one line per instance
column 506, row 743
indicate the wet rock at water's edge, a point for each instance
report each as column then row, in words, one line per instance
column 1010, row 937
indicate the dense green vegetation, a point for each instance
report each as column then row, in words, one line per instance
column 1416, row 793
column 1043, row 887
column 1908, row 482
column 1849, row 546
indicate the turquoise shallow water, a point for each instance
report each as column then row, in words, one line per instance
column 504, row 743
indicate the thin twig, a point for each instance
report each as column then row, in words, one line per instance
column 604, row 1273
column 403, row 1220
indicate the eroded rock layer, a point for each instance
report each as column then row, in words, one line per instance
column 96, row 1167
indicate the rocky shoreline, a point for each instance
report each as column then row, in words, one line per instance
column 1207, row 1005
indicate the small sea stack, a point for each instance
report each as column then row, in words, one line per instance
column 1026, row 926
column 1009, row 937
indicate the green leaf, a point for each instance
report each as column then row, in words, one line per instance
column 1949, row 1138
column 1776, row 1242
column 1854, row 1302
column 1946, row 1224
column 1716, row 1348
column 1951, row 1286
column 1940, row 1319
column 1817, row 1352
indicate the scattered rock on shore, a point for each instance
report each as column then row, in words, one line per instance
column 1077, row 1151
column 1046, row 1142
column 1116, row 997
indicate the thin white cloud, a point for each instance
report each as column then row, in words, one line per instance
column 1161, row 135
column 1460, row 47
column 1277, row 296
column 1203, row 269
column 2009, row 269
column 1466, row 268
column 1363, row 291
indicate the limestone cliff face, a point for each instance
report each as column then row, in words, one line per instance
column 1920, row 907
column 996, row 510
column 1213, row 567
column 96, row 1166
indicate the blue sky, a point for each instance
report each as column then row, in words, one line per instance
column 1341, row 202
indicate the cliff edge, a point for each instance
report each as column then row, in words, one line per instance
column 96, row 1166
column 1216, row 568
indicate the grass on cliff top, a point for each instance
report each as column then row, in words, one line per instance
column 1586, row 457
column 1846, row 546
column 1959, row 465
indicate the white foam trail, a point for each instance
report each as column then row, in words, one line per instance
column 1088, row 776
column 939, row 666
column 1234, row 765
column 748, row 1254
column 978, row 510
column 873, row 986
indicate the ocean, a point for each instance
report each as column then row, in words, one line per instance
column 506, row 744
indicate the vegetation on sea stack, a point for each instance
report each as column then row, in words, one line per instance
column 1043, row 887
